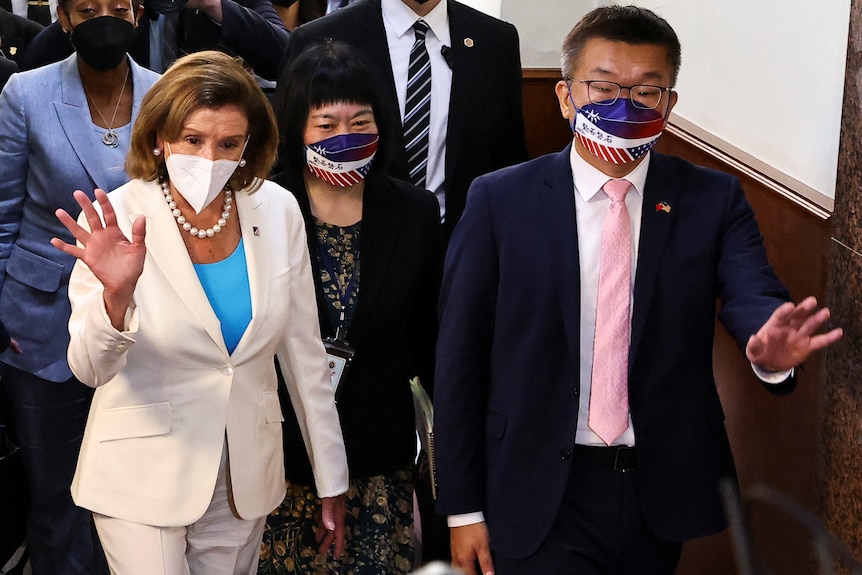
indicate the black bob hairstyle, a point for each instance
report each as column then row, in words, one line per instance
column 324, row 73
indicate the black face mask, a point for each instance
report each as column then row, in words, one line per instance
column 103, row 42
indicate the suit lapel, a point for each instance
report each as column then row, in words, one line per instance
column 372, row 38
column 463, row 72
column 12, row 42
column 166, row 250
column 254, row 233
column 74, row 115
column 656, row 225
column 380, row 232
column 559, row 208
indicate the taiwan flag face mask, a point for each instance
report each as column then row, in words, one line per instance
column 619, row 133
column 342, row 160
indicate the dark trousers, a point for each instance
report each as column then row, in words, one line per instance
column 48, row 422
column 599, row 530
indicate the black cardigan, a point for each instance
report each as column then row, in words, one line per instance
column 394, row 328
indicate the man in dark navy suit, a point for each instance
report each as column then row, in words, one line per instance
column 16, row 33
column 579, row 438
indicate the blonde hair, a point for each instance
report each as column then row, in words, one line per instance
column 207, row 79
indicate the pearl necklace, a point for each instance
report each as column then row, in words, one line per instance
column 181, row 220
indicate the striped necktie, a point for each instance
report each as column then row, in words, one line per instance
column 417, row 109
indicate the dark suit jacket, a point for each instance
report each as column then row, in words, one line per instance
column 251, row 29
column 394, row 328
column 506, row 402
column 15, row 35
column 7, row 68
column 486, row 125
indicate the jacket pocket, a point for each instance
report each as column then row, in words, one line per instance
column 272, row 407
column 34, row 270
column 134, row 421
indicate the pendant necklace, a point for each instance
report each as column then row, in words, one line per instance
column 110, row 138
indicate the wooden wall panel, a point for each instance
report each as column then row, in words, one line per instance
column 774, row 439
column 546, row 129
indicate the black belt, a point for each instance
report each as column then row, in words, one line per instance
column 620, row 458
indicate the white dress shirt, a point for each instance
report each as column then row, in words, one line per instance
column 591, row 207
column 332, row 6
column 398, row 20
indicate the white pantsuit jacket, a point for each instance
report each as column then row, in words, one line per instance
column 167, row 390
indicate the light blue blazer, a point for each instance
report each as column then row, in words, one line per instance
column 48, row 149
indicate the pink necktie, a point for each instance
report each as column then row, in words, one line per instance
column 609, row 397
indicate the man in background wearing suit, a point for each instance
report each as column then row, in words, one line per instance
column 476, row 119
column 15, row 35
column 7, row 68
column 250, row 29
column 578, row 426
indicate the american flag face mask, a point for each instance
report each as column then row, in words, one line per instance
column 342, row 160
column 619, row 133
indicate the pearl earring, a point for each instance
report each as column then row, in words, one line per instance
column 157, row 152
column 242, row 163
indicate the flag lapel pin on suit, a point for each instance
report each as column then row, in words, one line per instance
column 662, row 207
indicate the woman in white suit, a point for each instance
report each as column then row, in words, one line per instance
column 63, row 127
column 195, row 277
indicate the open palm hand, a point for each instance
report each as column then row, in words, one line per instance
column 115, row 260
column 790, row 336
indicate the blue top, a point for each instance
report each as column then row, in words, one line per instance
column 226, row 286
column 115, row 158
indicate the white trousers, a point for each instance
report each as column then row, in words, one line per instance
column 219, row 543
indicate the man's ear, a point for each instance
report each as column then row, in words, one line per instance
column 672, row 99
column 562, row 91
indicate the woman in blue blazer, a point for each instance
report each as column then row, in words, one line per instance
column 63, row 127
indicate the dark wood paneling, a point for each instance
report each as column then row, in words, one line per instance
column 774, row 439
column 546, row 129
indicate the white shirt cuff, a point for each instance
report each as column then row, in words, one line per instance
column 465, row 519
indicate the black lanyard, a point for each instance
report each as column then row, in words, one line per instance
column 329, row 264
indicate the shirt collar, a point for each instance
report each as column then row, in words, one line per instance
column 589, row 179
column 402, row 18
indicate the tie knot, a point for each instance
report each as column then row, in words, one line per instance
column 420, row 28
column 617, row 189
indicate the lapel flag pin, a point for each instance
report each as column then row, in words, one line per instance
column 468, row 42
column 662, row 207
column 255, row 230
